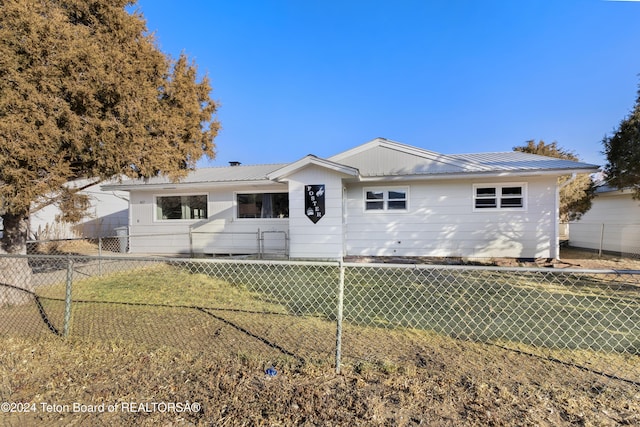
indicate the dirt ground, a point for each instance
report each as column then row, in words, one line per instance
column 580, row 258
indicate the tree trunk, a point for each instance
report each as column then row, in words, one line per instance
column 16, row 282
column 16, row 229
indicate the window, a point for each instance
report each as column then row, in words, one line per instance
column 385, row 199
column 181, row 207
column 263, row 205
column 504, row 196
column 511, row 197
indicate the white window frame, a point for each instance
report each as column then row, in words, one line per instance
column 236, row 205
column 385, row 199
column 175, row 220
column 500, row 197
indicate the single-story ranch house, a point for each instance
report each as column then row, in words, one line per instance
column 382, row 198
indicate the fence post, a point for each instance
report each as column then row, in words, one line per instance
column 286, row 244
column 339, row 317
column 67, row 297
column 99, row 255
column 601, row 240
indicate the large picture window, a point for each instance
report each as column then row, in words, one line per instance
column 385, row 199
column 263, row 205
column 181, row 207
column 502, row 196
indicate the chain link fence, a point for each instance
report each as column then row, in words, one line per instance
column 610, row 238
column 271, row 244
column 97, row 246
column 329, row 312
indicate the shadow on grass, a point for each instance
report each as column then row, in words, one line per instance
column 38, row 303
column 149, row 323
column 252, row 335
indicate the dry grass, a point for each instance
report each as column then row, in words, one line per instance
column 441, row 382
column 63, row 246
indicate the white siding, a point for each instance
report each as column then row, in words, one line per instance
column 325, row 238
column 221, row 233
column 613, row 218
column 149, row 236
column 107, row 211
column 224, row 233
column 441, row 222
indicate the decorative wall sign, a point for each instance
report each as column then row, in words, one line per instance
column 314, row 202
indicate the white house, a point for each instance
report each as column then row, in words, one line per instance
column 381, row 198
column 108, row 210
column 612, row 224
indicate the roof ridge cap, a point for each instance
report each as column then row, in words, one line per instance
column 241, row 165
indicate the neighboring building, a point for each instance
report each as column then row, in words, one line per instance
column 611, row 225
column 381, row 198
column 108, row 211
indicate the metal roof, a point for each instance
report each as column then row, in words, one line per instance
column 517, row 160
column 381, row 158
column 611, row 190
column 219, row 174
column 232, row 173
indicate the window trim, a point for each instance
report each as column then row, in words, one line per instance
column 155, row 207
column 385, row 199
column 236, row 205
column 499, row 197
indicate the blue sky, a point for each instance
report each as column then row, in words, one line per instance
column 298, row 77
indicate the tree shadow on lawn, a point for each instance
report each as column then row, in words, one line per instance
column 270, row 336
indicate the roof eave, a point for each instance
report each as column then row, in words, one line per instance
column 613, row 191
column 178, row 185
column 474, row 175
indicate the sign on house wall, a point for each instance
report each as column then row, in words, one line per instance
column 314, row 202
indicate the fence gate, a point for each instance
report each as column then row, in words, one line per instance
column 273, row 243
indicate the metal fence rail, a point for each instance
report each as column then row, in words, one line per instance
column 337, row 312
column 259, row 243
